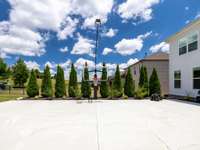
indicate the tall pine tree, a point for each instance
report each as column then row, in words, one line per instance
column 3, row 68
column 32, row 87
column 154, row 83
column 60, row 88
column 73, row 85
column 85, row 86
column 47, row 90
column 117, row 84
column 143, row 80
column 104, row 88
column 129, row 84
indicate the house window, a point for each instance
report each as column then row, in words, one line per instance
column 177, row 79
column 188, row 44
column 182, row 46
column 196, row 78
column 193, row 42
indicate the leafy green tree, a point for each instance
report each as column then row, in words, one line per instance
column 20, row 73
column 3, row 68
column 104, row 87
column 60, row 88
column 73, row 85
column 129, row 84
column 85, row 86
column 32, row 87
column 154, row 83
column 117, row 84
column 47, row 90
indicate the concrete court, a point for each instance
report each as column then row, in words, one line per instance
column 101, row 125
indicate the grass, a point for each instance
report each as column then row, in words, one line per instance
column 13, row 95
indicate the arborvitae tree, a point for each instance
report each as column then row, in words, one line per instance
column 60, row 89
column 146, row 82
column 32, row 87
column 3, row 68
column 37, row 73
column 104, row 89
column 141, row 78
column 85, row 87
column 73, row 85
column 47, row 90
column 20, row 73
column 129, row 85
column 154, row 83
column 117, row 84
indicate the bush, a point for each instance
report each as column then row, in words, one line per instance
column 85, row 85
column 140, row 93
column 117, row 84
column 154, row 83
column 32, row 87
column 104, row 89
column 73, row 85
column 60, row 88
column 47, row 90
column 129, row 85
column 143, row 79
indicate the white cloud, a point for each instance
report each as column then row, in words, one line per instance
column 164, row 47
column 110, row 33
column 68, row 30
column 90, row 10
column 131, row 46
column 132, row 61
column 133, row 9
column 197, row 16
column 32, row 65
column 80, row 63
column 51, row 65
column 64, row 50
column 106, row 51
column 187, row 8
column 26, row 20
column 83, row 46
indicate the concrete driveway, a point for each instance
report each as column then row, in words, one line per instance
column 102, row 125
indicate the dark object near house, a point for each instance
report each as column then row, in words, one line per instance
column 198, row 96
column 155, row 97
column 2, row 85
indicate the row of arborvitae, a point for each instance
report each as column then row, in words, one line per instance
column 147, row 87
column 115, row 89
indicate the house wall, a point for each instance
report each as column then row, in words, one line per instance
column 185, row 63
column 162, row 68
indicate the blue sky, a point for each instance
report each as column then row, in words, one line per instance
column 60, row 32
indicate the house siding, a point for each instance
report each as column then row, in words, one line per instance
column 184, row 63
column 162, row 68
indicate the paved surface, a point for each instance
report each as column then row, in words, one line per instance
column 103, row 125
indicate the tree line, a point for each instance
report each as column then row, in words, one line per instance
column 113, row 88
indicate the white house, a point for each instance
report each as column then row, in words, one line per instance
column 184, row 61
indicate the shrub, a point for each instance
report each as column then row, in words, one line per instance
column 140, row 93
column 104, row 89
column 154, row 83
column 47, row 90
column 117, row 84
column 143, row 79
column 60, row 88
column 129, row 85
column 73, row 85
column 85, row 85
column 32, row 87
